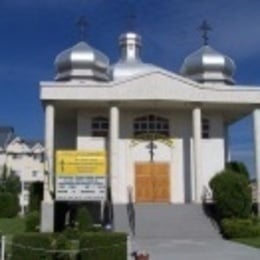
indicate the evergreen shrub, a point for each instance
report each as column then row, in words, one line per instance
column 32, row 221
column 9, row 205
column 84, row 220
column 231, row 194
column 240, row 228
column 101, row 245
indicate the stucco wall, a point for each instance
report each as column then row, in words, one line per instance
column 178, row 154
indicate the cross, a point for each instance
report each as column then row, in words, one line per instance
column 205, row 28
column 151, row 146
column 131, row 20
column 82, row 24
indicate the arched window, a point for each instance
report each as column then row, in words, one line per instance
column 99, row 126
column 151, row 124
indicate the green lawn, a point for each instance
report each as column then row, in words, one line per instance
column 255, row 242
column 12, row 226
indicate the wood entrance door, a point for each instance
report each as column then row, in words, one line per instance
column 152, row 182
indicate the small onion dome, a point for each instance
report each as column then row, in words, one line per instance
column 209, row 66
column 130, row 63
column 82, row 62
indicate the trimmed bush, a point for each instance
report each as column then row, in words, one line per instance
column 84, row 220
column 238, row 167
column 100, row 246
column 9, row 205
column 232, row 195
column 240, row 228
column 32, row 222
column 32, row 246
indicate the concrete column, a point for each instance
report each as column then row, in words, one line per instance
column 226, row 140
column 47, row 212
column 196, row 129
column 256, row 123
column 113, row 153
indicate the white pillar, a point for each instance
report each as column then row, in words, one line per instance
column 113, row 153
column 256, row 121
column 196, row 127
column 47, row 207
column 49, row 151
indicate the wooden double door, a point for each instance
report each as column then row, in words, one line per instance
column 152, row 182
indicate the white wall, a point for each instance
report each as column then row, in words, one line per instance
column 178, row 155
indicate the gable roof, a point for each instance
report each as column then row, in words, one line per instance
column 159, row 85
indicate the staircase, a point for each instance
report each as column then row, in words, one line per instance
column 179, row 221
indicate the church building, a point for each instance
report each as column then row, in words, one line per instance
column 135, row 132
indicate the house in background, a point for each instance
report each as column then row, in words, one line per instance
column 24, row 158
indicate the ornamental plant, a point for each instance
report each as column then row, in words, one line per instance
column 231, row 194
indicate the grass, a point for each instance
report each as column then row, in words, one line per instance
column 254, row 241
column 12, row 226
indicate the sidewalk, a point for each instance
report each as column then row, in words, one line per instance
column 210, row 249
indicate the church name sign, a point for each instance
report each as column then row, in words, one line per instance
column 80, row 175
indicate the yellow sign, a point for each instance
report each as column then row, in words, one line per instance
column 69, row 163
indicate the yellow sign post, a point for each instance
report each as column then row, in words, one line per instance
column 81, row 163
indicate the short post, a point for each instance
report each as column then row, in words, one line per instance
column 3, row 248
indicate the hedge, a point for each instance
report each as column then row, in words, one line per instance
column 9, row 205
column 100, row 246
column 32, row 246
column 240, row 228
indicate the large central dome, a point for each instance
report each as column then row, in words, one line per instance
column 130, row 63
column 82, row 62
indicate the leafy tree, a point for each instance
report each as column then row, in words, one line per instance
column 232, row 194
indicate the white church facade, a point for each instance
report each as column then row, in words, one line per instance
column 163, row 135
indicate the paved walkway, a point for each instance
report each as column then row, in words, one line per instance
column 211, row 249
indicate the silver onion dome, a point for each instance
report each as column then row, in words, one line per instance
column 206, row 65
column 130, row 63
column 81, row 62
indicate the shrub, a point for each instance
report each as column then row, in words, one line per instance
column 32, row 221
column 238, row 167
column 84, row 219
column 36, row 196
column 99, row 246
column 71, row 233
column 32, row 246
column 232, row 195
column 62, row 243
column 9, row 205
column 240, row 228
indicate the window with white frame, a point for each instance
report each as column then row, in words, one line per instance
column 99, row 126
column 205, row 125
column 151, row 124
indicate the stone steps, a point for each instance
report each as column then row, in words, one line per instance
column 183, row 221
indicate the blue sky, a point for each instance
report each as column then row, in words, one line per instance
column 33, row 32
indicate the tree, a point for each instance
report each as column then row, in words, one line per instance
column 232, row 194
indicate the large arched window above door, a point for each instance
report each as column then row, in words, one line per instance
column 99, row 126
column 151, row 124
